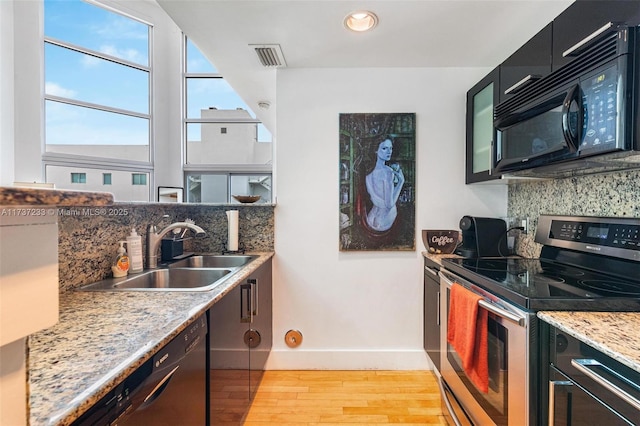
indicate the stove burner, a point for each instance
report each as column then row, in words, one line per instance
column 553, row 278
column 562, row 270
column 615, row 287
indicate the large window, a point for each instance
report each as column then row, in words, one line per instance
column 98, row 95
column 228, row 150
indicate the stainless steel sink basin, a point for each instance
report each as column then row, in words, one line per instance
column 174, row 279
column 213, row 261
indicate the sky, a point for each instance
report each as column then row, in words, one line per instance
column 74, row 75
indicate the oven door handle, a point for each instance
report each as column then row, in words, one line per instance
column 494, row 309
column 583, row 365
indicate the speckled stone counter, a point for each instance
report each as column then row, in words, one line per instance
column 437, row 258
column 613, row 333
column 102, row 337
column 10, row 196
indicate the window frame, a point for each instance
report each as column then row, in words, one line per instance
column 95, row 162
column 218, row 169
column 81, row 178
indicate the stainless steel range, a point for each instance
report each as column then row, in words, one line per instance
column 586, row 264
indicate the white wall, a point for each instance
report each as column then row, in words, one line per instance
column 6, row 89
column 362, row 310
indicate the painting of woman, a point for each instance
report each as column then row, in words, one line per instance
column 377, row 181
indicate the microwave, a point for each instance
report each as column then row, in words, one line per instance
column 582, row 118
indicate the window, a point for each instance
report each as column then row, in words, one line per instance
column 98, row 79
column 78, row 178
column 221, row 187
column 106, row 178
column 215, row 164
column 138, row 179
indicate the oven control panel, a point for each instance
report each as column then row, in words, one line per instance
column 602, row 234
column 618, row 237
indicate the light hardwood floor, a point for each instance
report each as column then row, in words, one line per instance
column 309, row 398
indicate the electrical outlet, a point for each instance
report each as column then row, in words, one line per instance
column 525, row 225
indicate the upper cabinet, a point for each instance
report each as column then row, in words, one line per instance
column 480, row 132
column 544, row 53
column 584, row 20
column 528, row 64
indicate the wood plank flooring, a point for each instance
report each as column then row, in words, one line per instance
column 307, row 398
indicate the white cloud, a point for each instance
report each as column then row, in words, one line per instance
column 55, row 89
column 131, row 55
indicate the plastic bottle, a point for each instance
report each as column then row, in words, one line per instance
column 120, row 266
column 134, row 244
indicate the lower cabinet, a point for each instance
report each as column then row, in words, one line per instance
column 432, row 312
column 240, row 327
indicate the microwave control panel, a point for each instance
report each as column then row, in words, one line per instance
column 600, row 109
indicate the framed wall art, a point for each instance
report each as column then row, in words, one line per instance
column 377, row 181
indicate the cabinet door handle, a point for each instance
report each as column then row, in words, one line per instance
column 575, row 49
column 583, row 365
column 552, row 398
column 522, row 83
column 438, row 310
column 254, row 295
column 246, row 313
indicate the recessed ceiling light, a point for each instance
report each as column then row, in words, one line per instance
column 360, row 21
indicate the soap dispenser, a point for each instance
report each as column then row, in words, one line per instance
column 134, row 245
column 120, row 266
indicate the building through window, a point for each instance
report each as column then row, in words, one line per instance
column 228, row 150
column 98, row 79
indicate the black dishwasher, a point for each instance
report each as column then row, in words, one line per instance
column 171, row 388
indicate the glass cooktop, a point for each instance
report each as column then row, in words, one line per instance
column 539, row 284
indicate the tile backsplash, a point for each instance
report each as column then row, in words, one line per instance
column 611, row 194
column 88, row 236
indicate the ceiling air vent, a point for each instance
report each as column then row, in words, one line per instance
column 270, row 55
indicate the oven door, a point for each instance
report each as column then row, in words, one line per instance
column 506, row 403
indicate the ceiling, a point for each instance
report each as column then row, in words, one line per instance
column 410, row 33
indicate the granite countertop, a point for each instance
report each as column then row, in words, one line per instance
column 613, row 333
column 104, row 336
column 437, row 258
column 18, row 196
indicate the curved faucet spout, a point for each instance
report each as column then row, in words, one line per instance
column 154, row 237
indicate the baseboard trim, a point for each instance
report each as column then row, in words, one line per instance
column 287, row 359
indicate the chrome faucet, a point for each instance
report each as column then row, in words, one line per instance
column 154, row 237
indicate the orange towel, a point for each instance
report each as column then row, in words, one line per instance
column 467, row 333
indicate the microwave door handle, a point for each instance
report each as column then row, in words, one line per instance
column 572, row 97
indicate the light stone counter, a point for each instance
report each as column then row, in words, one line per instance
column 104, row 336
column 15, row 196
column 613, row 333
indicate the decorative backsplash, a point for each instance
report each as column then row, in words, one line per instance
column 88, row 236
column 611, row 194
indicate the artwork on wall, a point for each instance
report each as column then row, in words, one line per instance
column 377, row 181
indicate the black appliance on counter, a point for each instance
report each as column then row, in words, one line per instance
column 586, row 264
column 581, row 117
column 482, row 237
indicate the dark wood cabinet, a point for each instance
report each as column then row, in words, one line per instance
column 584, row 18
column 526, row 65
column 432, row 312
column 480, row 132
column 240, row 326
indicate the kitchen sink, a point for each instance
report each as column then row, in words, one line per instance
column 213, row 261
column 174, row 279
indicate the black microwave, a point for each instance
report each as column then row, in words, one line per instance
column 582, row 117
